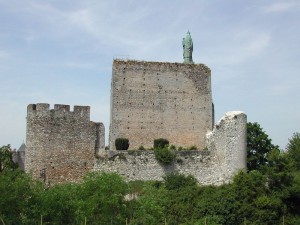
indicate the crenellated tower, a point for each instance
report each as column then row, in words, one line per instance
column 61, row 144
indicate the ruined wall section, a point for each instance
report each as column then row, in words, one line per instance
column 151, row 100
column 228, row 143
column 142, row 165
column 224, row 157
column 61, row 144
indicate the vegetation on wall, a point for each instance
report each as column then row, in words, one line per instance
column 164, row 155
column 122, row 143
column 163, row 152
column 160, row 143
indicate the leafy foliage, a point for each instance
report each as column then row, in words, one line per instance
column 175, row 181
column 18, row 202
column 258, row 146
column 122, row 143
column 6, row 162
column 160, row 143
column 293, row 149
column 164, row 155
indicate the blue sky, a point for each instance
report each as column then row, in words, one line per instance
column 61, row 52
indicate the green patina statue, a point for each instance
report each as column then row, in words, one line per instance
column 187, row 44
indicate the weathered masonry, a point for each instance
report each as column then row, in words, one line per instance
column 224, row 157
column 61, row 144
column 151, row 100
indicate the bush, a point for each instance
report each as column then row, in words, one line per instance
column 177, row 181
column 173, row 147
column 160, row 143
column 193, row 147
column 141, row 148
column 122, row 144
column 164, row 155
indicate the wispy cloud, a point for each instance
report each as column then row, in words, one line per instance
column 241, row 45
column 280, row 7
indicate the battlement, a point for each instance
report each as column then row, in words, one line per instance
column 60, row 143
column 60, row 110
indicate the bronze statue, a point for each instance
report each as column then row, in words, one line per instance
column 187, row 44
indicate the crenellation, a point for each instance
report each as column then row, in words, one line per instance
column 61, row 144
column 42, row 107
column 40, row 110
column 63, row 108
column 82, row 112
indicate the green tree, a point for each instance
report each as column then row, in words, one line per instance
column 6, row 162
column 217, row 204
column 58, row 204
column 148, row 208
column 18, row 197
column 247, row 188
column 102, row 199
column 180, row 208
column 293, row 150
column 258, row 146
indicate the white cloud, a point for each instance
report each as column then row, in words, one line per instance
column 240, row 46
column 280, row 7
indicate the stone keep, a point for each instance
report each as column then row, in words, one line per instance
column 61, row 144
column 151, row 100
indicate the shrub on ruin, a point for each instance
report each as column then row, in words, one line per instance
column 164, row 155
column 160, row 143
column 141, row 148
column 172, row 147
column 122, row 143
column 193, row 147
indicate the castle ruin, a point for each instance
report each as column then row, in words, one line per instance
column 149, row 100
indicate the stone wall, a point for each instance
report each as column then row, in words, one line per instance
column 61, row 144
column 142, row 165
column 224, row 157
column 228, row 142
column 151, row 100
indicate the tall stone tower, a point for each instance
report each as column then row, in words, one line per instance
column 151, row 100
